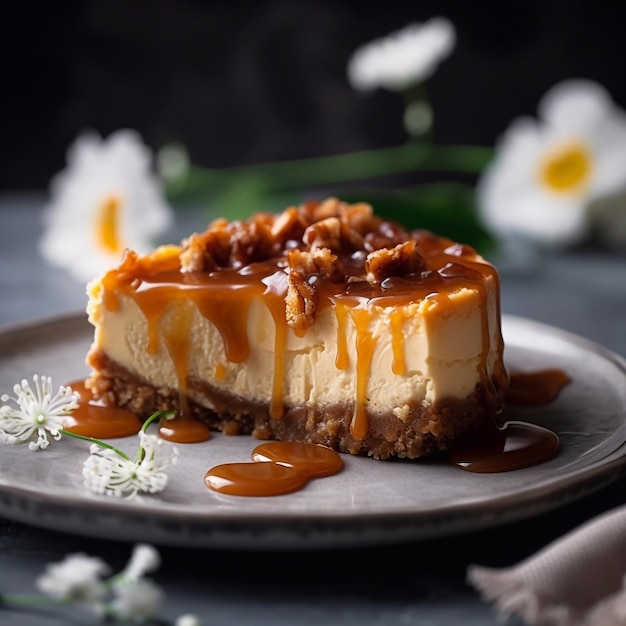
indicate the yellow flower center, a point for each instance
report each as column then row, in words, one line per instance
column 108, row 225
column 566, row 168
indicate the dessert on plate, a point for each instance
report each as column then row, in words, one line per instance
column 323, row 323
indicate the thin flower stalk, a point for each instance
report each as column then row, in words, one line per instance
column 411, row 156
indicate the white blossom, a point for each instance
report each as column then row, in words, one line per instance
column 36, row 412
column 403, row 58
column 106, row 472
column 76, row 579
column 145, row 558
column 550, row 176
column 106, row 200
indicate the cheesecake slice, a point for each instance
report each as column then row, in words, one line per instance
column 322, row 324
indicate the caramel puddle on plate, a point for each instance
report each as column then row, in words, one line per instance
column 96, row 419
column 514, row 444
column 184, row 428
column 535, row 388
column 277, row 468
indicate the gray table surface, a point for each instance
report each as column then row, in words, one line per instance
column 418, row 583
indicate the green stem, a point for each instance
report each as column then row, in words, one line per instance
column 411, row 156
column 102, row 444
column 156, row 415
column 168, row 415
column 29, row 600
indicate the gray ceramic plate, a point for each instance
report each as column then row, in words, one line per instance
column 369, row 502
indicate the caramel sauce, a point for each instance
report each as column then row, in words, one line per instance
column 365, row 344
column 514, row 445
column 184, row 429
column 277, row 468
column 535, row 388
column 313, row 460
column 98, row 420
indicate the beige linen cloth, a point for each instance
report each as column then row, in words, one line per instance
column 577, row 580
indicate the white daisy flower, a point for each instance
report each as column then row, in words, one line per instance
column 105, row 201
column 403, row 58
column 37, row 412
column 548, row 173
column 107, row 472
column 76, row 579
column 136, row 601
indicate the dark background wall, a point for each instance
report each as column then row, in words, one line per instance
column 240, row 81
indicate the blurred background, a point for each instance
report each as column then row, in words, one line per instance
column 241, row 82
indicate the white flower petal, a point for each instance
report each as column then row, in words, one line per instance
column 403, row 58
column 574, row 104
column 115, row 170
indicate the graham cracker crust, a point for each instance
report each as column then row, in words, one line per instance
column 426, row 431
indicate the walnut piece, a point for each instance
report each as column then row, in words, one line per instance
column 402, row 260
column 305, row 268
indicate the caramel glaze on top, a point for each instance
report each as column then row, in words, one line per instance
column 318, row 255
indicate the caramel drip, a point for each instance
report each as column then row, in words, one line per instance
column 94, row 418
column 229, row 314
column 184, row 428
column 341, row 312
column 277, row 468
column 514, row 445
column 534, row 388
column 365, row 344
column 398, row 367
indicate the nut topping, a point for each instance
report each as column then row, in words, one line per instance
column 402, row 260
column 317, row 241
column 304, row 270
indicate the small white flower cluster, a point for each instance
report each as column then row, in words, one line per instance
column 107, row 470
column 37, row 411
column 126, row 597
